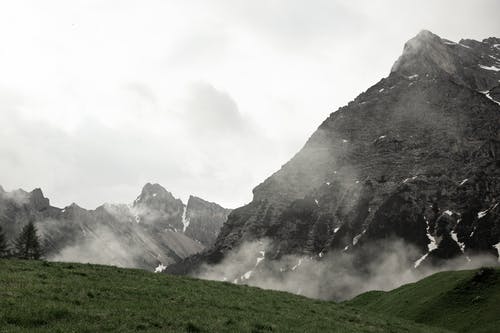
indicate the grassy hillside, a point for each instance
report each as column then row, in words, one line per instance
column 463, row 301
column 61, row 297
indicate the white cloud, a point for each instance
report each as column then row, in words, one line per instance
column 205, row 97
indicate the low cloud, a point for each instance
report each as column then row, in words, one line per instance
column 335, row 276
column 214, row 113
column 19, row 197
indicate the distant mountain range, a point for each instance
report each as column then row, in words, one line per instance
column 154, row 231
column 414, row 159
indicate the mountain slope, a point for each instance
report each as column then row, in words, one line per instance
column 100, row 298
column 145, row 234
column 415, row 158
column 462, row 301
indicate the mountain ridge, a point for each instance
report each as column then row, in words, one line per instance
column 143, row 234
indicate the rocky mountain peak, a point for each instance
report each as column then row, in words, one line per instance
column 471, row 63
column 158, row 206
column 154, row 194
column 74, row 210
column 424, row 41
column 38, row 200
column 425, row 53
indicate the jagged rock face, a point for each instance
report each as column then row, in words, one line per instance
column 393, row 163
column 204, row 220
column 156, row 205
column 141, row 235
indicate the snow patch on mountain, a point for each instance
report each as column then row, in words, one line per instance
column 260, row 258
column 433, row 244
column 247, row 275
column 160, row 268
column 454, row 236
column 487, row 94
column 185, row 220
column 357, row 237
column 407, row 179
column 497, row 246
column 490, row 68
column 419, row 261
column 483, row 213
column 430, row 247
column 297, row 265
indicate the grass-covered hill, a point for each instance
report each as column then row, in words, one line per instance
column 38, row 296
column 463, row 301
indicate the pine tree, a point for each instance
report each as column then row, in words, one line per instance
column 27, row 245
column 4, row 248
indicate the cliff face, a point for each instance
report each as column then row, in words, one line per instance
column 415, row 157
column 205, row 219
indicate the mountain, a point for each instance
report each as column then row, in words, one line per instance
column 461, row 301
column 145, row 234
column 413, row 159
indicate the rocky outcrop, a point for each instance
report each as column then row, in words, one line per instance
column 155, row 205
column 415, row 158
column 204, row 220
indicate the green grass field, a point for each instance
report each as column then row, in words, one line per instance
column 463, row 301
column 38, row 296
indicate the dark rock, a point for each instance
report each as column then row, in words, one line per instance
column 392, row 164
column 204, row 220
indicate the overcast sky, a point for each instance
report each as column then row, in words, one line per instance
column 204, row 97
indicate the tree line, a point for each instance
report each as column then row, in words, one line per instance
column 27, row 245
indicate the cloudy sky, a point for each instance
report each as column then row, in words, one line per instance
column 204, row 97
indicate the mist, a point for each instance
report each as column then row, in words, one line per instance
column 104, row 249
column 129, row 238
column 334, row 276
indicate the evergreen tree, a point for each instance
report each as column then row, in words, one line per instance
column 27, row 245
column 4, row 248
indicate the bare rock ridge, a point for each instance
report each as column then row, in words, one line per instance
column 149, row 232
column 416, row 157
column 204, row 220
